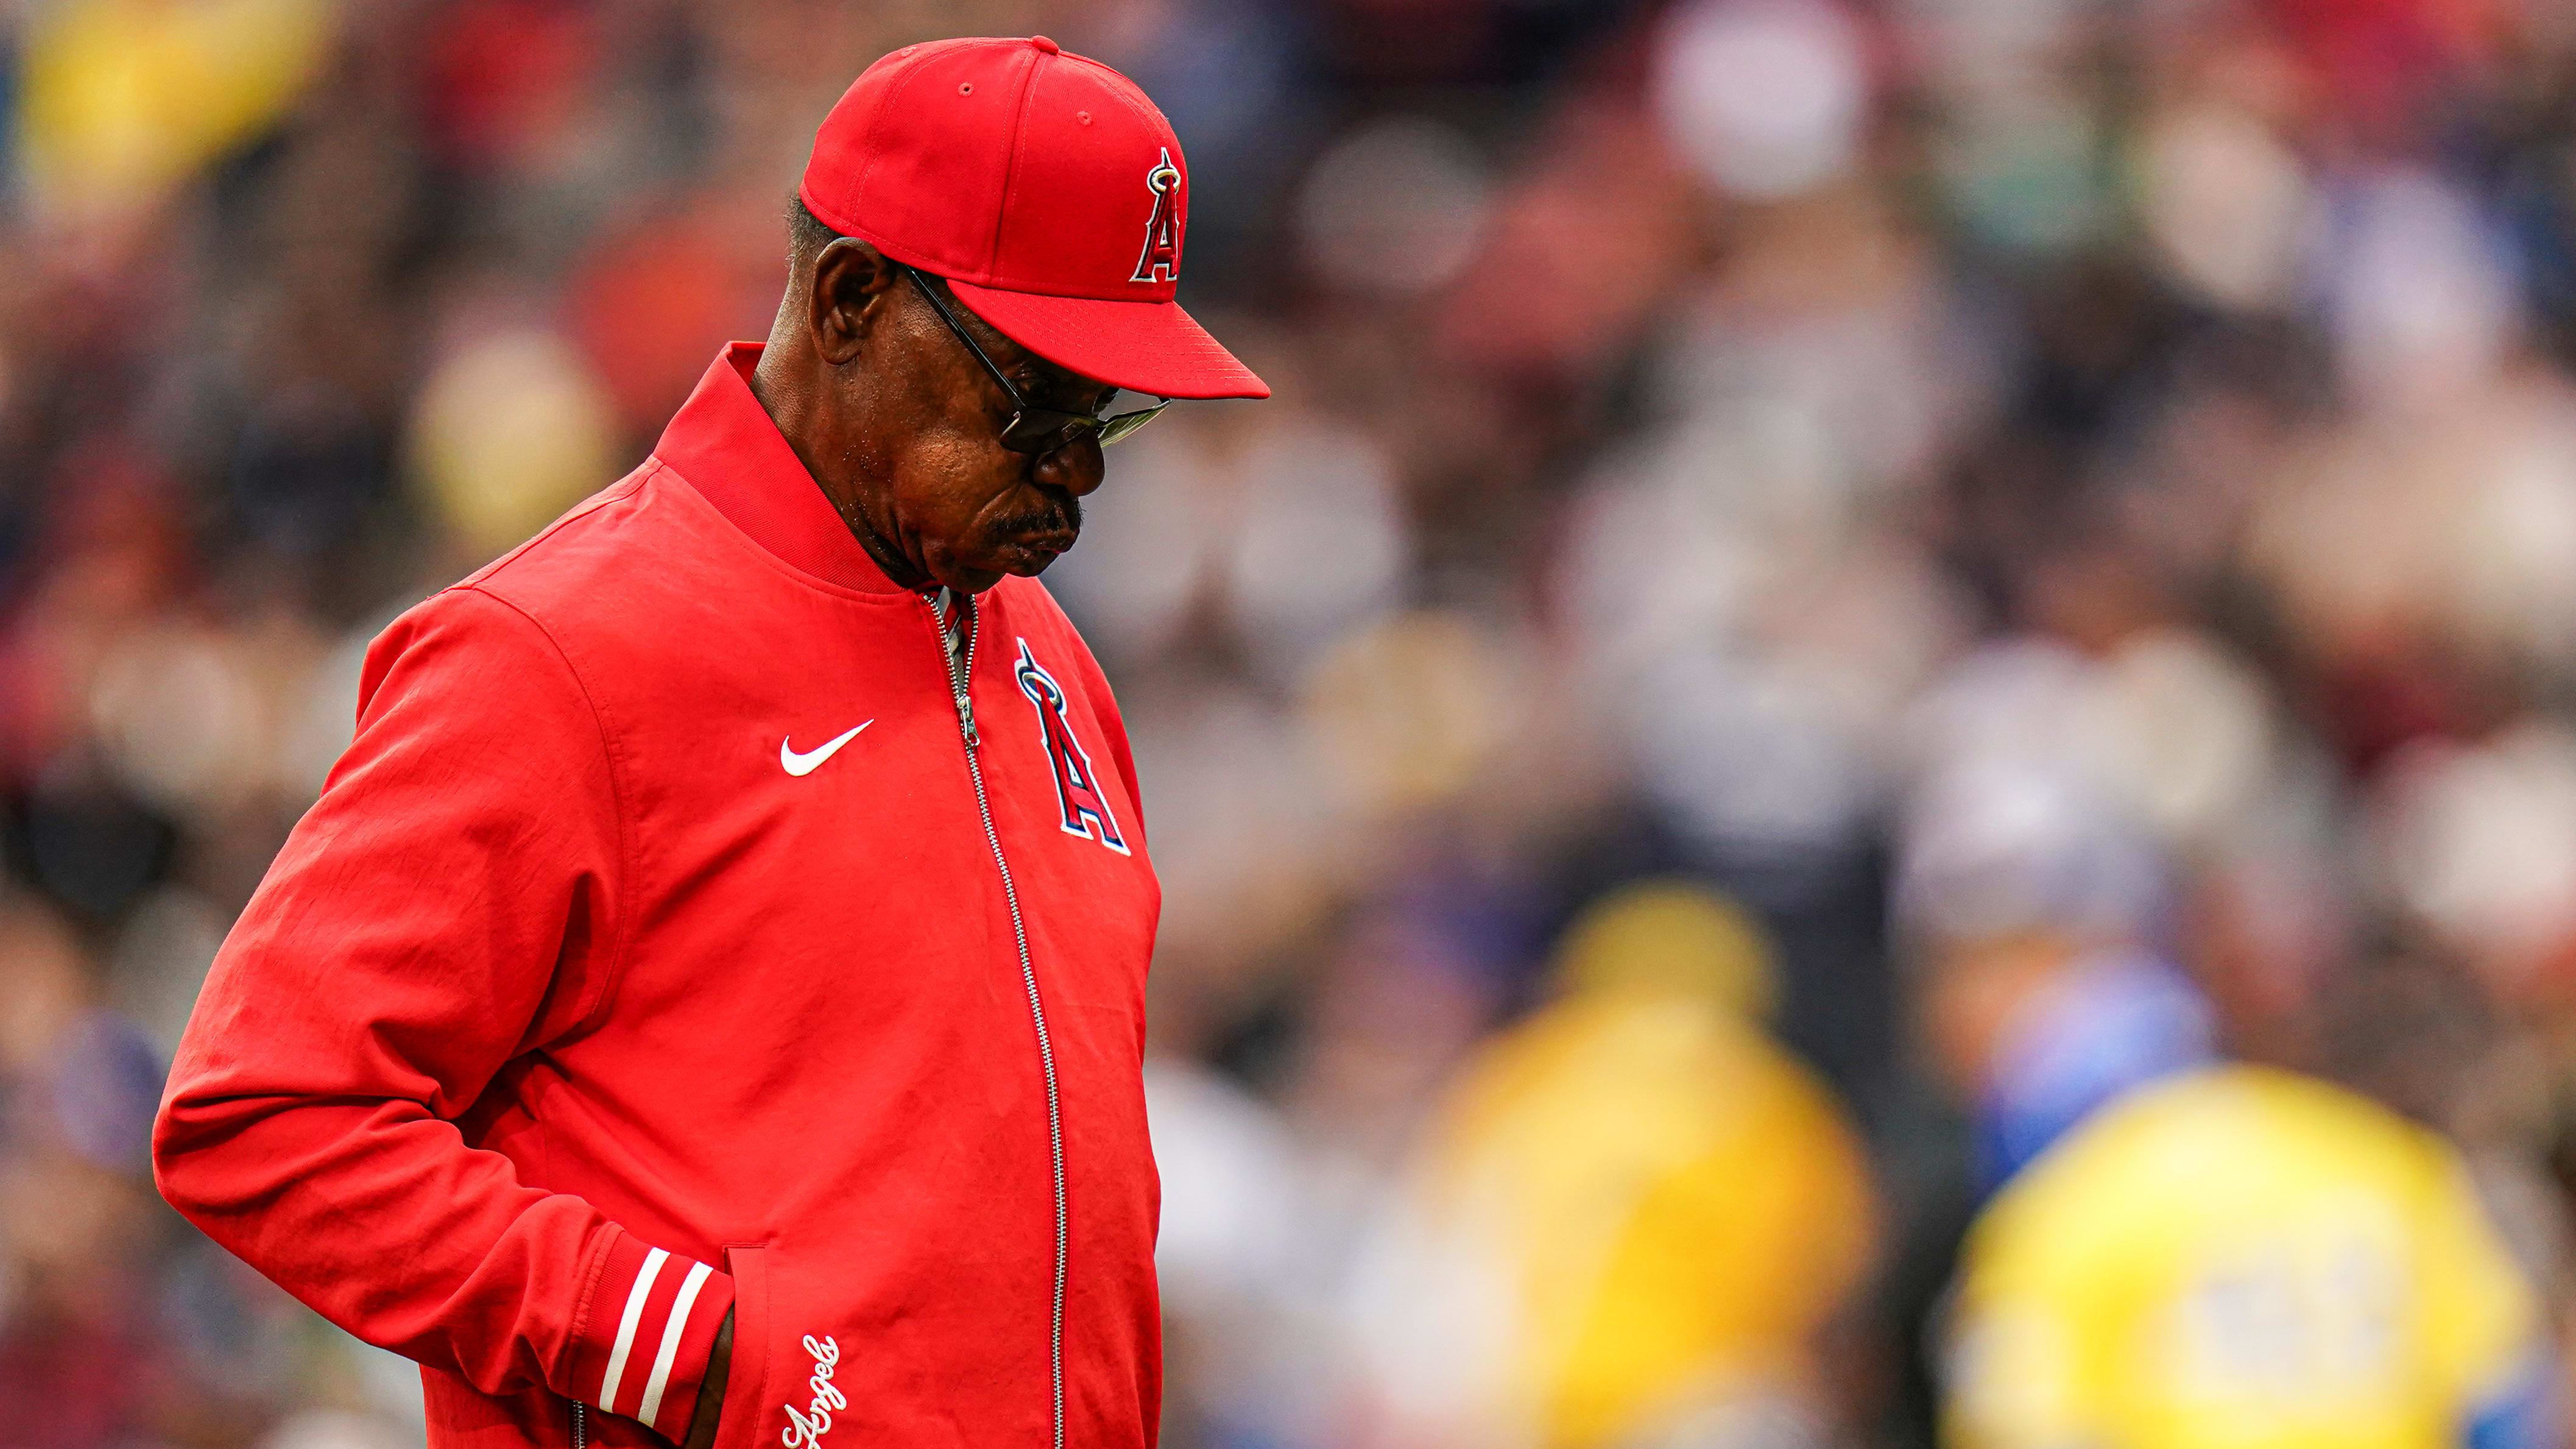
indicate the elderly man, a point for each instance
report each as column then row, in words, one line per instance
column 706, row 1002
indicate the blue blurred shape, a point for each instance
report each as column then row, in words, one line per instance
column 2116, row 1022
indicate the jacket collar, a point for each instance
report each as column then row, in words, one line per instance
column 723, row 444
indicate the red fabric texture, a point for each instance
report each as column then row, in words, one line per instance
column 1015, row 168
column 566, row 968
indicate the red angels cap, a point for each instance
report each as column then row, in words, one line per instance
column 1045, row 187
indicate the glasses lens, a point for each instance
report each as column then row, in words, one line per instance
column 1043, row 430
column 1114, row 428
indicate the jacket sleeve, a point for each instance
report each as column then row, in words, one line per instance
column 451, row 901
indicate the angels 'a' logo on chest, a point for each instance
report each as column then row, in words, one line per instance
column 1085, row 808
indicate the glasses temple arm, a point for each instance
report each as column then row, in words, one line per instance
column 941, row 307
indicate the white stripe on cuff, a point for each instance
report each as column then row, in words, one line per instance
column 671, row 1332
column 626, row 1328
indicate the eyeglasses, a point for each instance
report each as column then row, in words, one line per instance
column 1035, row 429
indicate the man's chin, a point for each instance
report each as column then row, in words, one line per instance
column 1029, row 558
column 1017, row 558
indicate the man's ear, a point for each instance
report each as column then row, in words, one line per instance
column 847, row 296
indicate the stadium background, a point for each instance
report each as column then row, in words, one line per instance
column 2033, row 501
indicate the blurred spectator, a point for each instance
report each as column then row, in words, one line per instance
column 2245, row 1257
column 1632, row 1216
column 124, row 99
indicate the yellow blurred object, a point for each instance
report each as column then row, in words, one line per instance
column 1674, row 1203
column 123, row 98
column 509, row 432
column 1671, row 937
column 2238, row 1259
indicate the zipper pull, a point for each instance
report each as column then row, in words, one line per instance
column 960, row 672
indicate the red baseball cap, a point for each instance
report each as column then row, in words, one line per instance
column 1045, row 187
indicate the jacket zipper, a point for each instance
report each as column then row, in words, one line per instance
column 580, row 1426
column 961, row 674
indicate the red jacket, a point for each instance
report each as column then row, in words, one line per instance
column 671, row 940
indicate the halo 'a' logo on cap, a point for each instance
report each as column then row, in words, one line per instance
column 1160, row 261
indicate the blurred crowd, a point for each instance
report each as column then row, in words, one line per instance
column 1840, row 599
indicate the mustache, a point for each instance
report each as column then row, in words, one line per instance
column 1059, row 515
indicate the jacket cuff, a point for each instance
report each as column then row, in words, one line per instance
column 652, row 1324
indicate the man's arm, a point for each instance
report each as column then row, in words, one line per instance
column 452, row 900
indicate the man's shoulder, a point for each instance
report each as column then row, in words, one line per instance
column 643, row 560
column 560, row 569
column 612, row 582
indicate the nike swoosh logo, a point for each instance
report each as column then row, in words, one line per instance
column 796, row 764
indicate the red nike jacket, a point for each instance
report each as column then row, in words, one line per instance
column 680, row 934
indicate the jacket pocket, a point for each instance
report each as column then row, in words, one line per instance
column 738, row 1425
column 807, row 1397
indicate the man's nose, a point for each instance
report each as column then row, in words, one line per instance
column 1076, row 468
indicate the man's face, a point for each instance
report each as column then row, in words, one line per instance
column 965, row 508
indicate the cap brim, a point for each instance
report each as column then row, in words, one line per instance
column 1147, row 347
